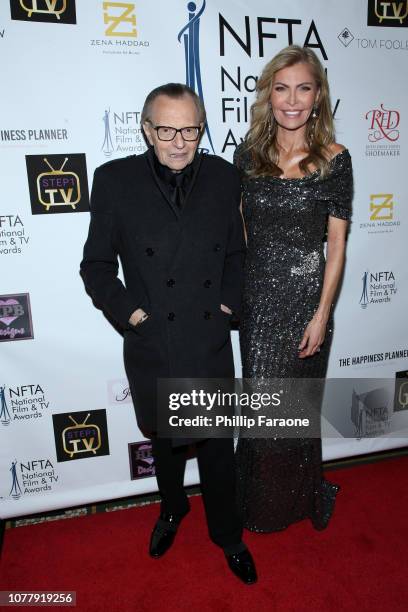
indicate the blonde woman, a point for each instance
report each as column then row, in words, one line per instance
column 296, row 186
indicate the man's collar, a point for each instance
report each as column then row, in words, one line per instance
column 165, row 173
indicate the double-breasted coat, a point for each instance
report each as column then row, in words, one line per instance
column 178, row 265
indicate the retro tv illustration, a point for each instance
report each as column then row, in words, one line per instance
column 50, row 7
column 81, row 438
column 383, row 10
column 58, row 187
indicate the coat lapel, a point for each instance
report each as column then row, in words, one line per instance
column 159, row 183
column 197, row 164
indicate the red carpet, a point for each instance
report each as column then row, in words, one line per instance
column 359, row 563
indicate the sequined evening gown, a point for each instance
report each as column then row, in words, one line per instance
column 281, row 481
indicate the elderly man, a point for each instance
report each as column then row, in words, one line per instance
column 172, row 216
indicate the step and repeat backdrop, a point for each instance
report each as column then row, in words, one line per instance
column 75, row 74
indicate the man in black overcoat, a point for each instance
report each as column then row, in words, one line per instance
column 172, row 216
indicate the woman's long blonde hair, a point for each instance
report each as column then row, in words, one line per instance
column 261, row 139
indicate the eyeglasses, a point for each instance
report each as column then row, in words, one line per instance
column 164, row 132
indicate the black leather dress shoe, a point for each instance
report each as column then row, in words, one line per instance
column 164, row 533
column 243, row 566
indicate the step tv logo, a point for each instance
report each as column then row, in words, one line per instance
column 388, row 14
column 58, row 183
column 80, row 435
column 15, row 317
column 47, row 11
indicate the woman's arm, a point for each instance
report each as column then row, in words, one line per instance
column 316, row 329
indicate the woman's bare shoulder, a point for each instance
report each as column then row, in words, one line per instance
column 334, row 149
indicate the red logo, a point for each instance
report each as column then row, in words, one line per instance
column 383, row 124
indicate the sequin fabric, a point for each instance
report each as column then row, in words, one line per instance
column 280, row 481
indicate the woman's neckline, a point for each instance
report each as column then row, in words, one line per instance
column 307, row 176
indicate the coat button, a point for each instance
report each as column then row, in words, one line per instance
column 171, row 316
column 149, row 251
column 207, row 284
column 207, row 315
column 217, row 247
column 171, row 282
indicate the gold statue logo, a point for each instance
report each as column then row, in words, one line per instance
column 50, row 7
column 58, row 188
column 81, row 438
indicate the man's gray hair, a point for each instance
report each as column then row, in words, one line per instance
column 175, row 91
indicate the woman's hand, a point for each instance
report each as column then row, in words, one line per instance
column 312, row 338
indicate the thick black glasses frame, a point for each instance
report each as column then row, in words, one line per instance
column 168, row 127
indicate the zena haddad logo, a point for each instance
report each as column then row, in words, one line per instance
column 15, row 317
column 47, row 11
column 58, row 183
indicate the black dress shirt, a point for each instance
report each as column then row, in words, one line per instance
column 176, row 183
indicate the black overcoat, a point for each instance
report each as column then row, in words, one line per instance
column 178, row 265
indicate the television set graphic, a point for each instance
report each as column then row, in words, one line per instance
column 48, row 7
column 81, row 437
column 58, row 187
column 391, row 10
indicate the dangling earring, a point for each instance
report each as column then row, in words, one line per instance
column 315, row 113
column 270, row 119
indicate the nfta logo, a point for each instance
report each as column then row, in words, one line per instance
column 378, row 277
column 81, row 434
column 58, row 183
column 25, row 390
column 383, row 123
column 37, row 464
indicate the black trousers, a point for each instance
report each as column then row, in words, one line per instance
column 215, row 458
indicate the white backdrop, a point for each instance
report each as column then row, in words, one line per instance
column 74, row 78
